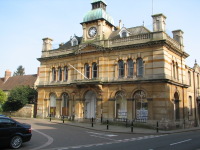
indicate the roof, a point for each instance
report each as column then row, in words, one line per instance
column 68, row 45
column 97, row 14
column 12, row 82
column 95, row 1
column 133, row 31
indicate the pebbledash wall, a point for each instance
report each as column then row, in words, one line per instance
column 119, row 73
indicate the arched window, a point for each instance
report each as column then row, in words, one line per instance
column 53, row 74
column 130, row 68
column 120, row 105
column 177, row 107
column 174, row 70
column 65, row 73
column 121, row 68
column 87, row 70
column 140, row 67
column 190, row 105
column 59, row 74
column 65, row 104
column 189, row 78
column 177, row 72
column 94, row 70
column 141, row 105
column 52, row 104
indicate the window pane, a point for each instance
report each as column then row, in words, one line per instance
column 121, row 69
column 130, row 68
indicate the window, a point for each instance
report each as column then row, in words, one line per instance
column 65, row 73
column 130, row 68
column 74, row 41
column 59, row 74
column 190, row 105
column 94, row 70
column 124, row 34
column 53, row 74
column 121, row 68
column 174, row 70
column 140, row 67
column 120, row 105
column 177, row 107
column 189, row 78
column 87, row 71
column 141, row 104
column 177, row 74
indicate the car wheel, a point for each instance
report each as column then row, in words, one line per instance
column 16, row 142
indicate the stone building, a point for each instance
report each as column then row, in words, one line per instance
column 114, row 72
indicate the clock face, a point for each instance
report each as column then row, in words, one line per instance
column 92, row 31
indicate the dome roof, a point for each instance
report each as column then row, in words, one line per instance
column 94, row 1
column 96, row 14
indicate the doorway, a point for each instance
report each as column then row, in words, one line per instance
column 90, row 105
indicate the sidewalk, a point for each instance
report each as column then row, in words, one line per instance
column 120, row 128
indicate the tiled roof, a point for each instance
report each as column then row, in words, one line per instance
column 12, row 82
column 133, row 31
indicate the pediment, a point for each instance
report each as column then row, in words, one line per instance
column 88, row 48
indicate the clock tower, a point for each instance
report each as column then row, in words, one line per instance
column 97, row 23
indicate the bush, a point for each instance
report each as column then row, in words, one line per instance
column 19, row 97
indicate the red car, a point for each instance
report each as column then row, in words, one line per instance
column 13, row 133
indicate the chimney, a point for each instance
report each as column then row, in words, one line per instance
column 159, row 22
column 178, row 36
column 47, row 44
column 7, row 75
column 120, row 24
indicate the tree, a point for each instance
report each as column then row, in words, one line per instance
column 2, row 98
column 19, row 97
column 20, row 71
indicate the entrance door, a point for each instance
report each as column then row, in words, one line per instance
column 65, row 104
column 90, row 104
column 53, row 104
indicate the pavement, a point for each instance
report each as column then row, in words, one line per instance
column 121, row 128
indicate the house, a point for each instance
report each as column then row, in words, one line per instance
column 9, row 82
column 119, row 73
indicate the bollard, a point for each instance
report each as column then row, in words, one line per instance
column 157, row 127
column 63, row 118
column 101, row 118
column 92, row 122
column 107, row 125
column 50, row 117
column 132, row 126
column 126, row 122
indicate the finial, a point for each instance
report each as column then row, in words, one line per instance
column 195, row 61
column 143, row 23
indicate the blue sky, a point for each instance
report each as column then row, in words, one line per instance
column 24, row 23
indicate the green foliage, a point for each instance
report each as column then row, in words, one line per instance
column 20, row 71
column 18, row 97
column 2, row 97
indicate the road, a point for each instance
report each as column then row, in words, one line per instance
column 53, row 136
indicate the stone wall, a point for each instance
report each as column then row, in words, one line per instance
column 26, row 111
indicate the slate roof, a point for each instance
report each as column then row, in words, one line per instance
column 67, row 45
column 12, row 82
column 133, row 31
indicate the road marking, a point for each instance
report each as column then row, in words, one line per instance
column 104, row 134
column 49, row 140
column 103, row 137
column 180, row 142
